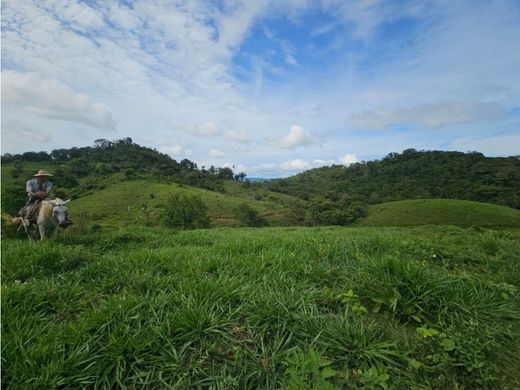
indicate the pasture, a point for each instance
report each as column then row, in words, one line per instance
column 294, row 308
column 463, row 213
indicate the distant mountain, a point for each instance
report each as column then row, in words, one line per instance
column 412, row 174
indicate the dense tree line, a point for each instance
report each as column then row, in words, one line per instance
column 80, row 170
column 412, row 174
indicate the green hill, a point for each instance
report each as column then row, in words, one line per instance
column 441, row 212
column 413, row 174
column 142, row 201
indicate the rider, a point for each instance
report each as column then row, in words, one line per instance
column 37, row 189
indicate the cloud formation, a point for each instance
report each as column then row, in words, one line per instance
column 203, row 73
column 176, row 150
column 296, row 165
column 296, row 137
column 204, row 129
column 348, row 159
column 432, row 115
column 238, row 136
column 216, row 153
column 30, row 93
column 299, row 164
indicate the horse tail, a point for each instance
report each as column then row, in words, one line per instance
column 12, row 221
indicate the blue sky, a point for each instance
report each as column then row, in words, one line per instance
column 270, row 87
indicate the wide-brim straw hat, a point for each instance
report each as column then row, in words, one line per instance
column 43, row 173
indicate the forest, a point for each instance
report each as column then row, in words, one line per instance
column 413, row 174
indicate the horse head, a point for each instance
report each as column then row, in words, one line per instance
column 59, row 212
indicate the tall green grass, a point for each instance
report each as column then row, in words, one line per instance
column 263, row 308
column 455, row 212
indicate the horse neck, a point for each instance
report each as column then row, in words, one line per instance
column 46, row 210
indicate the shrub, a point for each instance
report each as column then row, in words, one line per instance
column 186, row 212
column 248, row 216
column 339, row 210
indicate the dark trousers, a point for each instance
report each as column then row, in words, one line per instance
column 30, row 201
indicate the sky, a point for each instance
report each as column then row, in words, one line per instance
column 268, row 87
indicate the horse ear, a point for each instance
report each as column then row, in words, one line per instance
column 67, row 201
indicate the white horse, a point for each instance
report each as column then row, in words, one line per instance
column 51, row 217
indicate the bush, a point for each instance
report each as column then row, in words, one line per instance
column 186, row 212
column 248, row 216
column 340, row 211
column 12, row 200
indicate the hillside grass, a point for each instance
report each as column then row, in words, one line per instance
column 130, row 202
column 294, row 308
column 123, row 202
column 441, row 212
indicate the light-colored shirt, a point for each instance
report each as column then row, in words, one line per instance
column 33, row 186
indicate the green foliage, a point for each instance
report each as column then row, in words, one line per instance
column 248, row 216
column 373, row 378
column 12, row 200
column 334, row 210
column 353, row 303
column 413, row 175
column 263, row 309
column 309, row 371
column 441, row 212
column 186, row 212
column 122, row 158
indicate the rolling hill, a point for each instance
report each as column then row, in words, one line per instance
column 142, row 201
column 441, row 212
column 118, row 183
column 413, row 174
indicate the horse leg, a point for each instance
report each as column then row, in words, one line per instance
column 27, row 227
column 41, row 228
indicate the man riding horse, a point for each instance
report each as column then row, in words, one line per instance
column 37, row 190
column 41, row 214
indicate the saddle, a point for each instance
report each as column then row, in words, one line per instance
column 30, row 211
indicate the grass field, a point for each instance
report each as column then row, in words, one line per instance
column 441, row 212
column 123, row 203
column 293, row 308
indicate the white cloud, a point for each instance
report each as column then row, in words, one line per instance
column 288, row 51
column 320, row 162
column 204, row 129
column 237, row 135
column 265, row 166
column 495, row 145
column 296, row 165
column 15, row 131
column 325, row 29
column 79, row 15
column 235, row 167
column 176, row 150
column 155, row 60
column 432, row 115
column 367, row 16
column 216, row 153
column 348, row 159
column 297, row 137
column 30, row 93
column 299, row 165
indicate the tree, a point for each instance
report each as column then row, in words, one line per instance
column 186, row 212
column 341, row 210
column 240, row 176
column 249, row 216
column 225, row 173
column 103, row 143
